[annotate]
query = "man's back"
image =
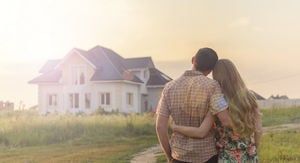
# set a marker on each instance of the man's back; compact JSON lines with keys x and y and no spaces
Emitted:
{"x":187,"y":100}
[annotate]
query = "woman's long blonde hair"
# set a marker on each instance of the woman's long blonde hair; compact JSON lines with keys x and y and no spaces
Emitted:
{"x":242,"y":103}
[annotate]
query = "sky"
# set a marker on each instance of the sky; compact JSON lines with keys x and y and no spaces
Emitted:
{"x":260,"y":36}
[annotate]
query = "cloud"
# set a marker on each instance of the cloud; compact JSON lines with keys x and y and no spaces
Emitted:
{"x":240,"y":22}
{"x":245,"y":22}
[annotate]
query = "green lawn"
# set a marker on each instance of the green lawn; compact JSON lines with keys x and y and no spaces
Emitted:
{"x":273,"y":117}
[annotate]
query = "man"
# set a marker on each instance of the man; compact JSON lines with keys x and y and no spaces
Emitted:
{"x":187,"y":100}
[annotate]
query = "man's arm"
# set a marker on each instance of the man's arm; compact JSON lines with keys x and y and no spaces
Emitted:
{"x":162,"y":134}
{"x":219,"y":106}
{"x":163,"y":114}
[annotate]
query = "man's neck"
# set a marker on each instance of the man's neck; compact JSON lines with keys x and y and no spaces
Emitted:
{"x":204,"y":73}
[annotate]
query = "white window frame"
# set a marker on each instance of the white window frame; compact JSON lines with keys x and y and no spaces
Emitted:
{"x":86,"y":105}
{"x":72,"y":100}
{"x":130,"y":99}
{"x":103,"y":98}
{"x":52,"y":100}
{"x":76,"y":71}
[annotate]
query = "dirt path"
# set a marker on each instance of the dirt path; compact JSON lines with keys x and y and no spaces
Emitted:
{"x":150,"y":154}
{"x":147,"y":156}
{"x":291,"y":126}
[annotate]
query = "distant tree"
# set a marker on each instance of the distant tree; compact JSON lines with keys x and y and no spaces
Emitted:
{"x":278,"y":97}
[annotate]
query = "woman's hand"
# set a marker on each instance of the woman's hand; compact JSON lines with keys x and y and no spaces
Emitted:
{"x":173,"y":125}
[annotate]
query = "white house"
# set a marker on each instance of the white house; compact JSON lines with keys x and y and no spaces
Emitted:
{"x":84,"y":81}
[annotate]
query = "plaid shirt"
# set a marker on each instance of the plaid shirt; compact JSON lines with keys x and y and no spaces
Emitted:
{"x":187,"y":100}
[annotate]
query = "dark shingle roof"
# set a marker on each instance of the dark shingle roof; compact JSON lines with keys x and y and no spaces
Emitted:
{"x":133,"y":63}
{"x":157,"y":78}
{"x":49,"y":66}
{"x":48,"y":77}
{"x":108,"y":66}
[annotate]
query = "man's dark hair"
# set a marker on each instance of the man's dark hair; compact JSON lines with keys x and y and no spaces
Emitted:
{"x":206,"y":59}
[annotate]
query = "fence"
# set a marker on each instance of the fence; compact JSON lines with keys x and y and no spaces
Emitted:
{"x":270,"y":104}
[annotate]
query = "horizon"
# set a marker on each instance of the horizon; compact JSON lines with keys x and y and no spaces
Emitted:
{"x":262,"y":43}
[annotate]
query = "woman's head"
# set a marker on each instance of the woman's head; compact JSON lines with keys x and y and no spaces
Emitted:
{"x":242,"y":103}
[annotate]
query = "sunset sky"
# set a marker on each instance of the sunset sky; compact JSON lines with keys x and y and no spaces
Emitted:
{"x":262,"y":37}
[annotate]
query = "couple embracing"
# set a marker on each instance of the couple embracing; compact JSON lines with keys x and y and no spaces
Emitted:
{"x":213,"y":120}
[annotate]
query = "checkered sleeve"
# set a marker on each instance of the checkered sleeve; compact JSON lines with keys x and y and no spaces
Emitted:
{"x":217,"y":100}
{"x":163,"y":106}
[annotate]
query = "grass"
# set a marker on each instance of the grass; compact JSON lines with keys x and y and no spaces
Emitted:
{"x":273,"y":117}
{"x":280,"y":147}
{"x":28,"y":137}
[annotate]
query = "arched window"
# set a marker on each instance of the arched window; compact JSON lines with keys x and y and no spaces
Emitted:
{"x":82,"y":78}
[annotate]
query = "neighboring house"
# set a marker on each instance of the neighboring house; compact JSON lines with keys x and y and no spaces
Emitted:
{"x":258,"y":96}
{"x":6,"y":105}
{"x":277,"y":97}
{"x":84,"y":81}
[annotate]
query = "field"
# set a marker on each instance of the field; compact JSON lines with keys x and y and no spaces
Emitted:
{"x":28,"y":137}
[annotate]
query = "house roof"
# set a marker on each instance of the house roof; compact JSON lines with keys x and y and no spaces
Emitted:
{"x":258,"y":97}
{"x":136,"y":63}
{"x":157,"y":78}
{"x":49,"y":65}
{"x":52,"y":76}
{"x":108,"y":66}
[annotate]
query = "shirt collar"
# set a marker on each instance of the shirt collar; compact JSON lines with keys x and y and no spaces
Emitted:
{"x":192,"y":73}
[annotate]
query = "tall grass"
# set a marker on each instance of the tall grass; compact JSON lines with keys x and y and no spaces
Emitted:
{"x":20,"y":129}
{"x":277,"y":116}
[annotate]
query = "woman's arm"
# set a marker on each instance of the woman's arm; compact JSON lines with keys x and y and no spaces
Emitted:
{"x":196,"y":132}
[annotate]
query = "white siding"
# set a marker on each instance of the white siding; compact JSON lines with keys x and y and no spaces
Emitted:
{"x":118,"y":91}
{"x":153,"y":97}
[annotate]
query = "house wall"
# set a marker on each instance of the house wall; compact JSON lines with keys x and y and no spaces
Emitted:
{"x":136,"y":91}
{"x":153,"y":97}
{"x":144,"y":75}
{"x":118,"y":91}
{"x":118,"y":96}
{"x":43,"y":91}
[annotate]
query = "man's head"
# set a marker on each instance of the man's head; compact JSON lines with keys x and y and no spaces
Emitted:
{"x":205,"y":60}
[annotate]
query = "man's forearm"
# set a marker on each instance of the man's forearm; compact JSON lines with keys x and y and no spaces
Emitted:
{"x":162,"y":135}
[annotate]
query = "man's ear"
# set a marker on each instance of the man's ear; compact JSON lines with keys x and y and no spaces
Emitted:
{"x":193,"y":60}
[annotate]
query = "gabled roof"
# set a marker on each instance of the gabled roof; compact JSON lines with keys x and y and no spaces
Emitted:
{"x":136,"y":63}
{"x":157,"y":78}
{"x":49,"y":65}
{"x":47,"y":77}
{"x":108,"y":65}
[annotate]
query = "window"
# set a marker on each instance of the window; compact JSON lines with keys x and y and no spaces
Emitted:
{"x":74,"y":100}
{"x":129,"y":98}
{"x":52,"y":100}
{"x":87,"y":100}
{"x":78,"y":75}
{"x":145,"y":74}
{"x":104,"y":98}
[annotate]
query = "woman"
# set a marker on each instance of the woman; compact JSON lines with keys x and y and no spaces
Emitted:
{"x":238,"y":142}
